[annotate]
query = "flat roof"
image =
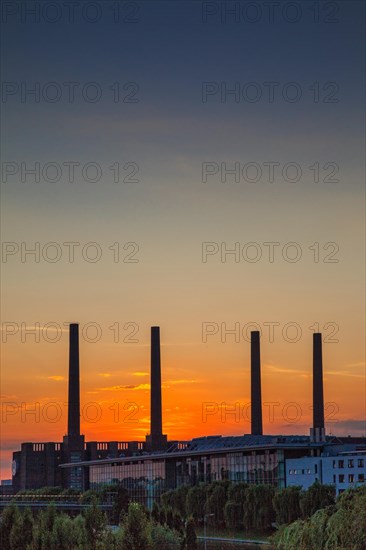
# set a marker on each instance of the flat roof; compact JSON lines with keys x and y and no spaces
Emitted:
{"x":187,"y":453}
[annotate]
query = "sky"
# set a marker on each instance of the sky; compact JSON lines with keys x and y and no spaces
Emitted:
{"x":189,"y":167}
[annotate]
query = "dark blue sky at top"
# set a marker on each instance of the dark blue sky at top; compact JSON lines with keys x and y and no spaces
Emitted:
{"x":170,"y":51}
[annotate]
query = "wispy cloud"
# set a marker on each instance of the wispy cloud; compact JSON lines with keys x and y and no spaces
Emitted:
{"x":137,"y":387}
{"x":56,"y":378}
{"x":140,"y":374}
{"x":126,"y":387}
{"x":344,"y":373}
{"x":104,"y":374}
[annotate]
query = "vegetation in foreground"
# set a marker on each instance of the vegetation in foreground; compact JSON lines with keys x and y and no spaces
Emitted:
{"x":341,"y":526}
{"x":246,"y":510}
{"x":50,"y":530}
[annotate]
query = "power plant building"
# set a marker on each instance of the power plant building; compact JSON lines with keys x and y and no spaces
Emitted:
{"x":148,"y":468}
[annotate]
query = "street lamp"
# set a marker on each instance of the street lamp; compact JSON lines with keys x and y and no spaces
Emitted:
{"x":204,"y":527}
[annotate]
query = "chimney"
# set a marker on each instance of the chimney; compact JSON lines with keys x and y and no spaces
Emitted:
{"x":73,"y":442}
{"x":73,"y":428}
{"x":256,"y":393}
{"x":318,"y":430}
{"x":156,"y":440}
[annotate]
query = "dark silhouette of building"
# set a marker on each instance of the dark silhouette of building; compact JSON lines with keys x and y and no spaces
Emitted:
{"x":149,"y":467}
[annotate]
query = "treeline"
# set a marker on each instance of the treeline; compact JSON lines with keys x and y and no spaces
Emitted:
{"x":243,"y":507}
{"x":337,"y":527}
{"x":51,"y":530}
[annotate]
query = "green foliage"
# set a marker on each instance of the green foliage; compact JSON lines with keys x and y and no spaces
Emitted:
{"x":195,"y":501}
{"x":215,"y":502}
{"x":155,"y":512}
{"x":10,"y":518}
{"x":120,"y":504}
{"x":233,"y":515}
{"x":336,"y":527}
{"x":27,"y":527}
{"x":316,"y":497}
{"x":286,"y":503}
{"x":258,"y":508}
{"x":234,"y":509}
{"x":62,"y":537}
{"x":95,"y":523}
{"x":52,"y":530}
{"x":190,"y":536}
{"x":163,"y":538}
{"x":135,"y":529}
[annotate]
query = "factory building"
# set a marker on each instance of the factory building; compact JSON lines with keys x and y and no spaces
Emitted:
{"x":148,"y":468}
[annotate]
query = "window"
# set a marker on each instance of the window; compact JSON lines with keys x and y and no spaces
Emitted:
{"x":303,"y":472}
{"x":360,"y":463}
{"x":340,"y":463}
{"x":309,"y":471}
{"x":334,"y":478}
{"x":291,"y":472}
{"x":334,"y":464}
{"x":350,"y":464}
{"x":341,"y":478}
{"x":351,"y":478}
{"x":316,"y":468}
{"x":361,"y":477}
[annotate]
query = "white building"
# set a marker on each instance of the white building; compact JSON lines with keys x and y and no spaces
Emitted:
{"x":344,"y":470}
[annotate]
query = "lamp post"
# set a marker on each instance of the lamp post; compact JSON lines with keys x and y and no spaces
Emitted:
{"x":204,"y":528}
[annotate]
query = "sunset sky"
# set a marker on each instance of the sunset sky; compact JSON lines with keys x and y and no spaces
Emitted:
{"x":167,"y":276}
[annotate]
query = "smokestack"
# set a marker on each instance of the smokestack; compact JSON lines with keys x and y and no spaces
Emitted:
{"x":156,"y":408}
{"x":74,"y":383}
{"x":318,"y":398}
{"x":156,"y":441}
{"x":256,"y":393}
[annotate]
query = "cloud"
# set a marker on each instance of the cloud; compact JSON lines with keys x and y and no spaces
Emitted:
{"x":282,"y":370}
{"x":182,"y":381}
{"x":349,"y":425}
{"x":140,"y":374}
{"x":56,"y":378}
{"x":137,"y":387}
{"x":127,"y":387}
{"x":344,"y":373}
{"x":104,"y":374}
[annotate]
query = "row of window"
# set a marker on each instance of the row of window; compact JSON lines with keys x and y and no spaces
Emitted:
{"x":301,"y":471}
{"x":351,"y":463}
{"x":351,"y":478}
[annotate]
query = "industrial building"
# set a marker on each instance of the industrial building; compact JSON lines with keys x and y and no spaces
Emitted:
{"x":148,"y":468}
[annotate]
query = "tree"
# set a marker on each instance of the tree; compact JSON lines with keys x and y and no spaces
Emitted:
{"x":155,"y":512}
{"x":316,"y":497}
{"x":63,"y":535}
{"x":233,"y":515}
{"x":286,"y":503}
{"x":163,"y":538}
{"x":234,"y":507}
{"x":95,"y":523}
{"x":135,"y":529}
{"x":336,"y":527}
{"x":120,"y":504}
{"x":215,"y":502}
{"x":27,"y":527}
{"x":258,"y":508}
{"x":195,"y":502}
{"x":177,"y":522}
{"x":190,"y":536}
{"x":9,"y":518}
